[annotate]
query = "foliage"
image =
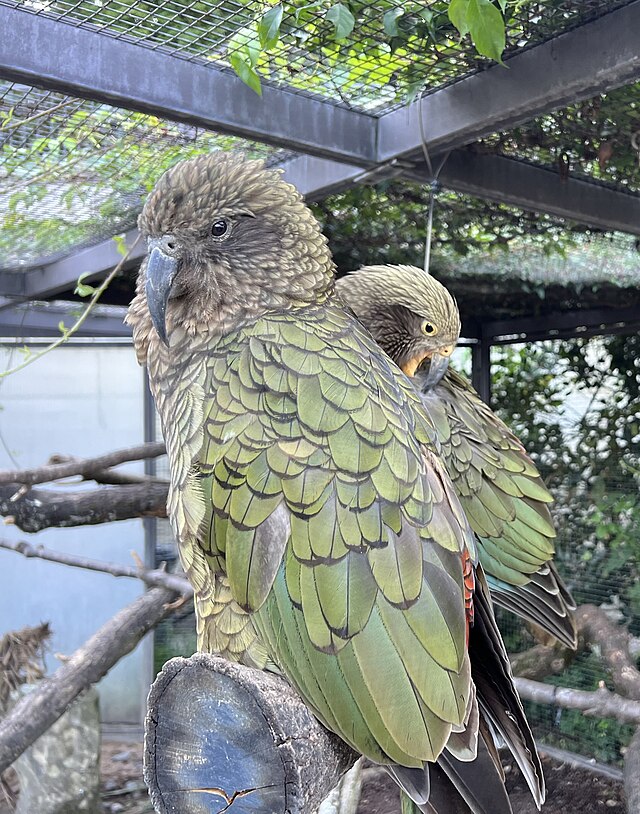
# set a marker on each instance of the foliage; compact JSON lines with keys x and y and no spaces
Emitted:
{"x":340,"y":43}
{"x":386,"y":223}
{"x":576,"y":407}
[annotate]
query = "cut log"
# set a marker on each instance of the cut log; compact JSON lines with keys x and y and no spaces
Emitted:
{"x":220,"y":737}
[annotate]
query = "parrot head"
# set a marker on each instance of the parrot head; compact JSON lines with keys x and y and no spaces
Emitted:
{"x":409,"y":313}
{"x":228,"y":240}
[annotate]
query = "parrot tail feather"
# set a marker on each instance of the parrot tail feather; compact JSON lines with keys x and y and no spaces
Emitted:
{"x":455,"y":786}
{"x":500,"y":705}
{"x":545,"y":601}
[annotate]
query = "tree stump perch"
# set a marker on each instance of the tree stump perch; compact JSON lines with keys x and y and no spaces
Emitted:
{"x":221,"y":737}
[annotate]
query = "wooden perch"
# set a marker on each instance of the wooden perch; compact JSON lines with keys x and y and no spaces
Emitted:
{"x":33,"y":510}
{"x":157,"y":577}
{"x":220,"y":737}
{"x":35,"y":713}
{"x":82,"y":466}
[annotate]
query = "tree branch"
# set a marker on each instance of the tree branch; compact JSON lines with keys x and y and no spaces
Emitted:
{"x":613,"y":641}
{"x":158,"y":578}
{"x":35,"y":713}
{"x":82,"y":466}
{"x":32,"y":510}
{"x":601,"y":703}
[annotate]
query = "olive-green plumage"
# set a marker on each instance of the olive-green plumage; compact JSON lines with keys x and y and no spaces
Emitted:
{"x":307,"y":493}
{"x":303,"y":470}
{"x":500,"y":489}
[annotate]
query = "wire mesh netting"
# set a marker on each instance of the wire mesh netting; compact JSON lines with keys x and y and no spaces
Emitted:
{"x":394,"y":50}
{"x":74,"y":172}
{"x":576,"y":406}
{"x":596,"y":139}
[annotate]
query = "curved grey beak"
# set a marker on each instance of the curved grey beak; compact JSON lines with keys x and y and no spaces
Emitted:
{"x":161,"y":272}
{"x":437,"y":368}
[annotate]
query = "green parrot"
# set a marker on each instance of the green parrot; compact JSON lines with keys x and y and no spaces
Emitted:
{"x":416,"y":321}
{"x":308,"y":495}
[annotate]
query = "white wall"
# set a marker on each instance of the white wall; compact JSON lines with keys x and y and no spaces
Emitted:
{"x":77,"y":400}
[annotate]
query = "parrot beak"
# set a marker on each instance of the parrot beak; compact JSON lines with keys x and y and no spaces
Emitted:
{"x":437,"y":367}
{"x":161,"y":272}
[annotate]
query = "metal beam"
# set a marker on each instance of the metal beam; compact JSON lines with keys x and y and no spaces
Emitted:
{"x":44,"y":320}
{"x":539,"y":189}
{"x":61,"y":275}
{"x":593,"y":58}
{"x":69,"y":59}
{"x":563,"y":325}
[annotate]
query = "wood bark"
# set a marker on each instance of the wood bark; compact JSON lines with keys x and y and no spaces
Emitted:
{"x":35,"y":713}
{"x":223,"y":737}
{"x":82,"y":466}
{"x":33,"y":510}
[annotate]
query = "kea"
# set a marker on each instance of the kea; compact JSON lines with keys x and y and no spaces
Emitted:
{"x":416,"y":321}
{"x":308,"y":495}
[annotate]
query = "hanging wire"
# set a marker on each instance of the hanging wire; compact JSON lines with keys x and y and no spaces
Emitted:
{"x":434,"y":187}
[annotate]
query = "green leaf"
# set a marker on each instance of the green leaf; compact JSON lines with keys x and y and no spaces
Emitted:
{"x":342,"y":19}
{"x":390,"y":21}
{"x":121,"y":246}
{"x":486,"y":26}
{"x":459,"y":14}
{"x":246,"y":72}
{"x":83,"y":289}
{"x":503,"y":5}
{"x":269,"y":27}
{"x":62,"y":327}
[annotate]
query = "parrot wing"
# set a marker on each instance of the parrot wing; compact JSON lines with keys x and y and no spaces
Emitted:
{"x":506,"y":503}
{"x":338,"y":530}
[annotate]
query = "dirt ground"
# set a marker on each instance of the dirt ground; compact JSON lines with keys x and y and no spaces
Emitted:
{"x":569,"y":790}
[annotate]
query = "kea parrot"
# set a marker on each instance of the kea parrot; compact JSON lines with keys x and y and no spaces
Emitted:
{"x":416,"y":321}
{"x":308,"y":494}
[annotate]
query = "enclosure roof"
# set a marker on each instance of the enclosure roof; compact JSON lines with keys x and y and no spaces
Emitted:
{"x":97,"y":99}
{"x":388,"y":56}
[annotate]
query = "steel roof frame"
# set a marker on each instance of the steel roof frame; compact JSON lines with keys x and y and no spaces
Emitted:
{"x":341,"y":147}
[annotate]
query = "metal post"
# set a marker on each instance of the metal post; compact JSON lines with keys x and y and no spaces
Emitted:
{"x":481,"y":368}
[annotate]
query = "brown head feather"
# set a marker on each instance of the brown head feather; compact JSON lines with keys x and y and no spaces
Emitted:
{"x":272,"y":257}
{"x":395,"y":304}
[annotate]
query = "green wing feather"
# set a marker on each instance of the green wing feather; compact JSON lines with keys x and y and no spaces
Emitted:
{"x":337,"y":529}
{"x":506,"y":503}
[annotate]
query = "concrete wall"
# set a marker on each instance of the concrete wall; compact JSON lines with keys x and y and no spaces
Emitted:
{"x":78,"y":400}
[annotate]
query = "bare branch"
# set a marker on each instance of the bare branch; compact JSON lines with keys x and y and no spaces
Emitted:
{"x":601,"y":703}
{"x":32,"y":510}
{"x":82,"y":466}
{"x":107,"y":475}
{"x":157,"y":578}
{"x":35,"y":713}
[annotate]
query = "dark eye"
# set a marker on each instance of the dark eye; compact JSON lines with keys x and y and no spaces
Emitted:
{"x":429,"y":328}
{"x":219,"y":228}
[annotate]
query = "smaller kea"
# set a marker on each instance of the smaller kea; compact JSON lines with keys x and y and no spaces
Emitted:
{"x":416,"y":321}
{"x":311,"y":505}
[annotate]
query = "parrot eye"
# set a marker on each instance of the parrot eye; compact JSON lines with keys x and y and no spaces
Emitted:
{"x":219,"y":229}
{"x":428,"y":328}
